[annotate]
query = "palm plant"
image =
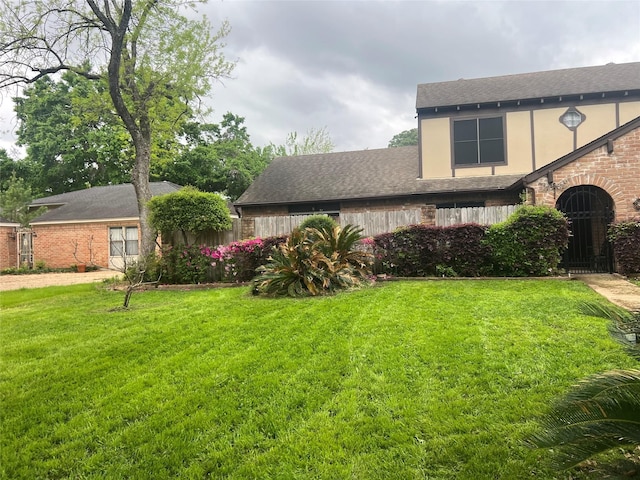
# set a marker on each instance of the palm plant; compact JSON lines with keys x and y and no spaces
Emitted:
{"x":314,"y":262}
{"x":603,"y":411}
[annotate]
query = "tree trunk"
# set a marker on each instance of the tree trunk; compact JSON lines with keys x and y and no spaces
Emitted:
{"x":140,"y":180}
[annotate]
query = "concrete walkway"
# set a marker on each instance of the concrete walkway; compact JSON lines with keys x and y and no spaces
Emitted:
{"x":16,"y":282}
{"x":614,"y":288}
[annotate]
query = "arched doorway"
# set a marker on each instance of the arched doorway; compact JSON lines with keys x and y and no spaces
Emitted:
{"x":590,"y":211}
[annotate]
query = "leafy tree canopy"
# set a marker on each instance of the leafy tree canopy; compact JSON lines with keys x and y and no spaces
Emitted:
{"x":315,"y":141}
{"x":405,"y":139}
{"x":216,"y":158}
{"x":73,"y":139}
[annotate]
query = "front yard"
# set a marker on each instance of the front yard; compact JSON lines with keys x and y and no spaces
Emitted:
{"x":424,"y":379}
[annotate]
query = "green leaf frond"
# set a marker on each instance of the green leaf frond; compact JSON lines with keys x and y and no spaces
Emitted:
{"x":602,"y":412}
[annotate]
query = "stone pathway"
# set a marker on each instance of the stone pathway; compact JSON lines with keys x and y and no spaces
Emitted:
{"x":614,"y":288}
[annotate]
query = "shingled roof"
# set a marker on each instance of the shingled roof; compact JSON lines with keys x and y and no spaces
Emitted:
{"x":96,"y":203}
{"x":527,"y":86}
{"x":364,"y":174}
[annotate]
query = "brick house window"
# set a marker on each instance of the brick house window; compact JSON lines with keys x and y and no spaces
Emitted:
{"x":123,"y":241}
{"x":478,"y":141}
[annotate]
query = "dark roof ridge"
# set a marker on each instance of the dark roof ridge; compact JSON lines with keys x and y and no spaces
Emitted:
{"x":596,"y":79}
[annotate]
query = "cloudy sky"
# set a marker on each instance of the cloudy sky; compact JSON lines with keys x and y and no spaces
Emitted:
{"x":353,"y":66}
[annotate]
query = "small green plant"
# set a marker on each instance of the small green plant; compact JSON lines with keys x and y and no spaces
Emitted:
{"x":41,"y":265}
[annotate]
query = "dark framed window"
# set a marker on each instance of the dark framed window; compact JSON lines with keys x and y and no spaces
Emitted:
{"x":478,"y":141}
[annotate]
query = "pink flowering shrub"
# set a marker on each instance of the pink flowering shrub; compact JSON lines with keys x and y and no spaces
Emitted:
{"x":235,"y":262}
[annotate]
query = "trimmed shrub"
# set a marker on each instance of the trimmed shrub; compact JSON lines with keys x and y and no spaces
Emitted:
{"x":625,"y":237}
{"x":529,"y":243}
{"x":319,"y":222}
{"x":426,"y":250}
{"x":189,"y":210}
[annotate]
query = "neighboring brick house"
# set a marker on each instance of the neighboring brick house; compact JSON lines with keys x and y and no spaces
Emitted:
{"x":486,"y":142}
{"x":96,"y":226}
{"x":8,"y":244}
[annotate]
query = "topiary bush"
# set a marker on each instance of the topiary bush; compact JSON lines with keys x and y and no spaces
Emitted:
{"x":189,"y":210}
{"x":625,"y":237}
{"x":529,"y":243}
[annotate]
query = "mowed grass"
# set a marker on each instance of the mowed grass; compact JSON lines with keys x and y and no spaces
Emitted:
{"x":406,"y":380}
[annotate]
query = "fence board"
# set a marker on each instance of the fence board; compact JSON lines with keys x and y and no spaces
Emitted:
{"x":481,"y":215}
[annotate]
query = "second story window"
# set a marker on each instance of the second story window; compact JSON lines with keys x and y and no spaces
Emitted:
{"x":478,"y":141}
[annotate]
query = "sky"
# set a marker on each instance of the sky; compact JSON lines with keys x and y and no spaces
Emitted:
{"x":352,"y":67}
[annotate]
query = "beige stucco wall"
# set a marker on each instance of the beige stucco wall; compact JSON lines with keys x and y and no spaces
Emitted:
{"x":628,"y":111}
{"x":551,"y":139}
{"x":436,"y":147}
{"x":600,"y":119}
{"x":519,"y":154}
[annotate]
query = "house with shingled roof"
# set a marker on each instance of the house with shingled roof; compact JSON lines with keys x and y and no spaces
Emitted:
{"x":566,"y":138}
{"x":95,"y":226}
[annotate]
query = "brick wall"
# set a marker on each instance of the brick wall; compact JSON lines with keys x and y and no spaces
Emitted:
{"x":56,"y":244}
{"x":8,"y":247}
{"x":617,"y":173}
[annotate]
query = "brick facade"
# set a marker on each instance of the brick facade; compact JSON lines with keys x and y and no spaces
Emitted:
{"x":615,"y":168}
{"x":63,"y":245}
{"x":8,"y":247}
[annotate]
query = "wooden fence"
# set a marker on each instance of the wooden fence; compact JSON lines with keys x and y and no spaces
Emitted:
{"x":482,"y":215}
{"x":372,"y":223}
{"x":212,"y":238}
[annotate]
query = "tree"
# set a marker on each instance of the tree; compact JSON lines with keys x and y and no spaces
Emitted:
{"x":217,"y":158}
{"x":405,"y":139}
{"x":15,"y":200}
{"x":21,"y":169}
{"x":155,"y":58}
{"x":73,"y":140}
{"x":315,"y":141}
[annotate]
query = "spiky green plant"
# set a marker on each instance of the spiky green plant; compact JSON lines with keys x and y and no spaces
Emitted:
{"x":314,"y":262}
{"x":603,"y":411}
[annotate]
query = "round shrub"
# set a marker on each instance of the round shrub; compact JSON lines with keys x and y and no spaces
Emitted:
{"x":319,"y":222}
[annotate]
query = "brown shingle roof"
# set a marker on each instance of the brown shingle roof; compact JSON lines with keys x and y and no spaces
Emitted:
{"x":96,"y":203}
{"x":380,"y":173}
{"x":571,"y":81}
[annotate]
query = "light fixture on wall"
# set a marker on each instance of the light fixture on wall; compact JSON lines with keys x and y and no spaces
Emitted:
{"x":572,"y":118}
{"x":636,"y":203}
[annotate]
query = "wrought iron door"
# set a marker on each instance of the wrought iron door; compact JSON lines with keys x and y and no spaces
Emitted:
{"x":590,"y":212}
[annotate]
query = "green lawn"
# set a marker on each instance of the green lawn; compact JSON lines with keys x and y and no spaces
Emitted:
{"x":405,"y":380}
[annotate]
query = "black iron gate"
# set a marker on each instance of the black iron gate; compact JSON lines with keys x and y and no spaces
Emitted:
{"x":590,"y":212}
